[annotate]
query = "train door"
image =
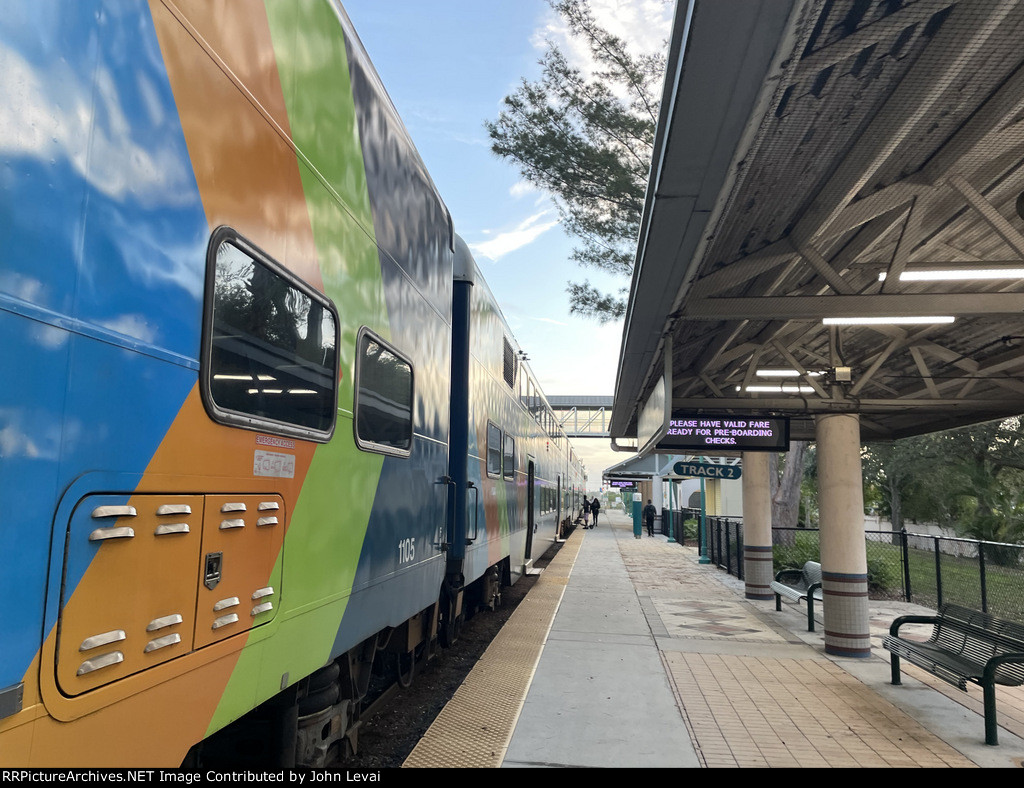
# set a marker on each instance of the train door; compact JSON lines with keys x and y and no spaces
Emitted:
{"x":530,"y":500}
{"x":558,"y":506}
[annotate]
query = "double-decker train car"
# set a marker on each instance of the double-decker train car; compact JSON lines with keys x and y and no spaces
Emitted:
{"x":264,"y":432}
{"x":522,"y":475}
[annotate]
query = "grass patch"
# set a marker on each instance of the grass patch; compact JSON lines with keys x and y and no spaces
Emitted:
{"x":1003,"y":593}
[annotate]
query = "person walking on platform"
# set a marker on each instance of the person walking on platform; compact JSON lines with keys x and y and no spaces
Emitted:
{"x":586,"y":512}
{"x":649,"y":514}
{"x":595,"y":507}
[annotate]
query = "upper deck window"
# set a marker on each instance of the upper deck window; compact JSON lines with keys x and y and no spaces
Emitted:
{"x":269,"y":347}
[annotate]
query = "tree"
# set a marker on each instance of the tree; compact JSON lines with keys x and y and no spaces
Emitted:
{"x":899,"y":469}
{"x":587,"y":141}
{"x":968,"y":478}
{"x":785,"y":489}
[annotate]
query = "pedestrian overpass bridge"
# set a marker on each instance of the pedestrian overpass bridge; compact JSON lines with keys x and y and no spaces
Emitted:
{"x":583,"y":416}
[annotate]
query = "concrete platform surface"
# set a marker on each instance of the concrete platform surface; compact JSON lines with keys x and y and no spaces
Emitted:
{"x":630,"y":653}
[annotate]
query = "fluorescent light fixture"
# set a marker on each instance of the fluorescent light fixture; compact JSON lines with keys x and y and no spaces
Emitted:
{"x":781,"y":388}
{"x":886,"y":321}
{"x":957,"y":274}
{"x":784,"y":373}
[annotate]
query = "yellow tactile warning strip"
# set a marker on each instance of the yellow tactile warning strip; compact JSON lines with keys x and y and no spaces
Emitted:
{"x":474,"y":728}
{"x":757,"y":711}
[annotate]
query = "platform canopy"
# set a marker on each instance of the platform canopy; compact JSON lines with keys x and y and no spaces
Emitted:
{"x":811,"y":157}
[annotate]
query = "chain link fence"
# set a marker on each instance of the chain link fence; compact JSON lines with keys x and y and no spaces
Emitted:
{"x":924,"y":569}
{"x":681,"y":525}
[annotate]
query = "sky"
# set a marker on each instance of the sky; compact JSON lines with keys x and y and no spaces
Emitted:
{"x":447,"y":65}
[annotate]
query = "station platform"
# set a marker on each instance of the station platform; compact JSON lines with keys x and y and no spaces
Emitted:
{"x":630,"y":653}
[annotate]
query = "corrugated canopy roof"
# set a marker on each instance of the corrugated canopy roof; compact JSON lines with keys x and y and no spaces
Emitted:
{"x":804,"y":148}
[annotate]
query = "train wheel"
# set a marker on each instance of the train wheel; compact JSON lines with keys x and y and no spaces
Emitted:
{"x":491,"y":594}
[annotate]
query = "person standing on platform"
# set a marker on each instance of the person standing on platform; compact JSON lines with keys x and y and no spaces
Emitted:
{"x":586,"y":512}
{"x":595,"y":508}
{"x":649,"y":513}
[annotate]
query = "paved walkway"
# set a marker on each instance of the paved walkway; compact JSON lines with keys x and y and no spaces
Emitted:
{"x":634,"y":654}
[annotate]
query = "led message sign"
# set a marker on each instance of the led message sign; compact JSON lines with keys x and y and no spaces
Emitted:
{"x":710,"y":433}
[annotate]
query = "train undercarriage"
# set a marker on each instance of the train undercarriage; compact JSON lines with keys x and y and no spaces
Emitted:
{"x":315,"y":723}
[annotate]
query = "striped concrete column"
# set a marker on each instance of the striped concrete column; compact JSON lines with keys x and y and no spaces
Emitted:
{"x":757,"y":526}
{"x":843,"y":552}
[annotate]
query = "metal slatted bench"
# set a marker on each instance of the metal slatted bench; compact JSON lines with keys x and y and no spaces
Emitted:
{"x":966,"y":646}
{"x":798,"y":585}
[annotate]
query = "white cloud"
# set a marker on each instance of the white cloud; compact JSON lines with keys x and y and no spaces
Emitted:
{"x":645,"y":25}
{"x":526,"y":232}
{"x":522,"y":189}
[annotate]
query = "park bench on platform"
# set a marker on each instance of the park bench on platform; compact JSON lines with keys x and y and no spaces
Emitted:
{"x":966,"y":645}
{"x":799,"y":584}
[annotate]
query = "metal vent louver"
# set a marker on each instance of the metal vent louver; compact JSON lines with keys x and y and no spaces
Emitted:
{"x":510,"y":365}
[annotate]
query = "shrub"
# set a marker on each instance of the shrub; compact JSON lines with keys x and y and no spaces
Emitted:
{"x":794,"y":556}
{"x":884,"y":574}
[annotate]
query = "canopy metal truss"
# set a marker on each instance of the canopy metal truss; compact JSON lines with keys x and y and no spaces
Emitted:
{"x":804,"y":148}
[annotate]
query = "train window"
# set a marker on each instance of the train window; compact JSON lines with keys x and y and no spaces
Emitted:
{"x":270,"y":341}
{"x":509,"y":459}
{"x":384,"y":397}
{"x":493,"y":450}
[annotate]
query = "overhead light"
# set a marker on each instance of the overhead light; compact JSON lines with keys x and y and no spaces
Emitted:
{"x":882,"y":321}
{"x":781,"y":388}
{"x":784,"y":373}
{"x":957,"y":274}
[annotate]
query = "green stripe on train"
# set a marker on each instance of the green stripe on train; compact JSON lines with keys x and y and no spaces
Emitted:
{"x":321,"y":551}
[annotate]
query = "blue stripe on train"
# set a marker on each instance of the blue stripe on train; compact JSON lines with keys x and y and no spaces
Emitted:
{"x":103,"y":244}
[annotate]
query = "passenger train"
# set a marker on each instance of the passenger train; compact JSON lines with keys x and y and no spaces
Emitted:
{"x":264,"y":431}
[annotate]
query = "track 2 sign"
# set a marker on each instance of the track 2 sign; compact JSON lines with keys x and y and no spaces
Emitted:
{"x":707,"y":470}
